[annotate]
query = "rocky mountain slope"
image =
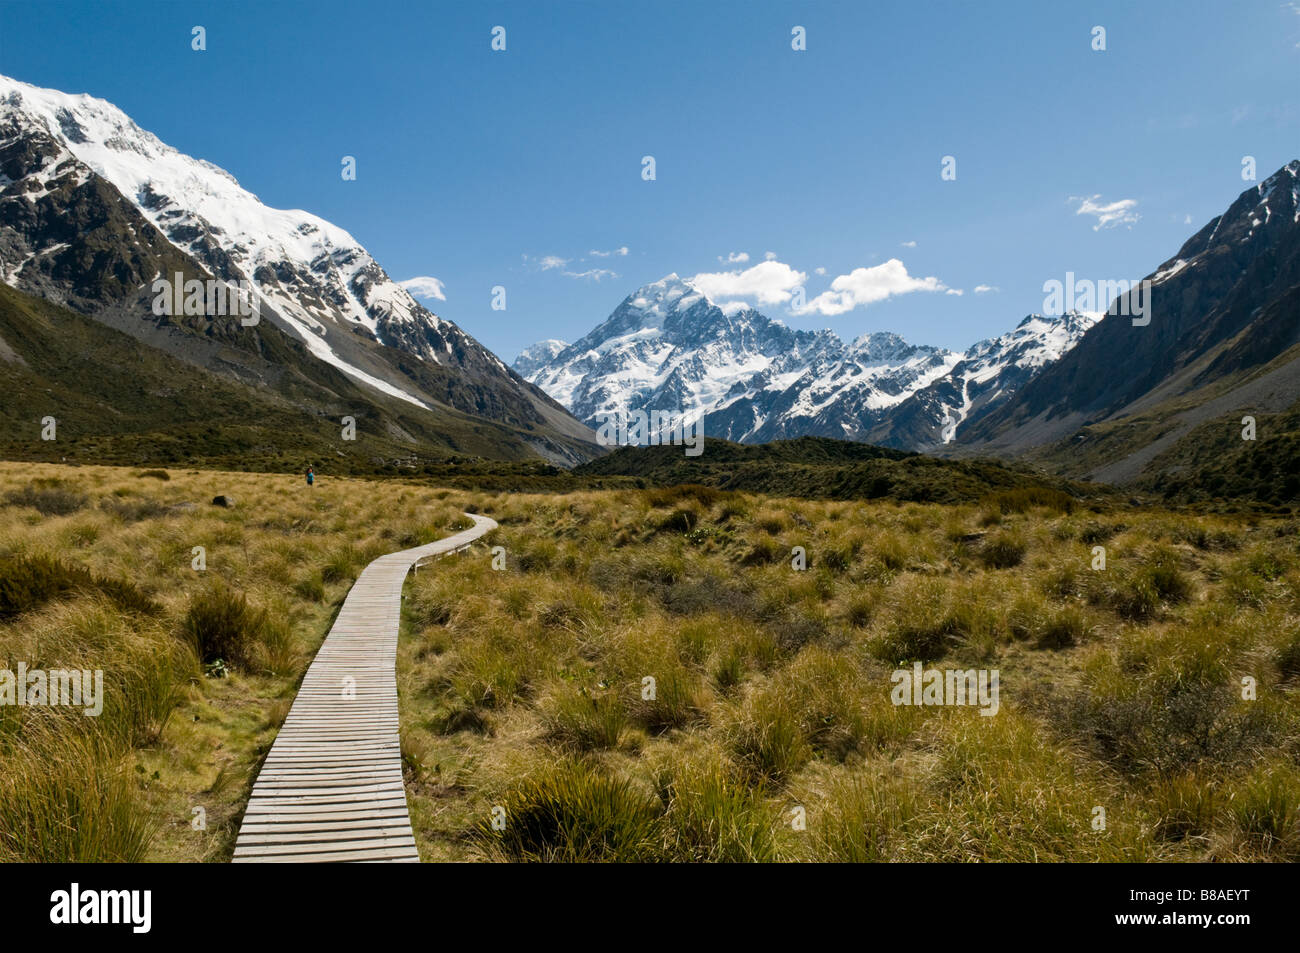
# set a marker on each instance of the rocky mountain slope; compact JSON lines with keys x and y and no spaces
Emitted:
{"x":1144,"y":403}
{"x":93,"y":209}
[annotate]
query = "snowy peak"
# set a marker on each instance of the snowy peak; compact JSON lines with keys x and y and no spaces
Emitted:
{"x":95,"y":208}
{"x":315,"y":274}
{"x":537,"y":355}
{"x":668,"y":347}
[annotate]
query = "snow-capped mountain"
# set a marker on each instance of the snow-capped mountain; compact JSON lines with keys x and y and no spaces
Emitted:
{"x":988,"y":374}
{"x":668,"y":347}
{"x":537,"y":355}
{"x":1216,"y":343}
{"x":312,"y":278}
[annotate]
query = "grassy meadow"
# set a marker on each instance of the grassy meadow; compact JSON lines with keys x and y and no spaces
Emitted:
{"x":200,"y":667}
{"x":770,"y":733}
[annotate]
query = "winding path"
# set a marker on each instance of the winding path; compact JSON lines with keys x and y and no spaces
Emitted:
{"x":331,"y":786}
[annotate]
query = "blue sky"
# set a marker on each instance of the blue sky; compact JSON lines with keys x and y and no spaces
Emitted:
{"x":480,"y":168}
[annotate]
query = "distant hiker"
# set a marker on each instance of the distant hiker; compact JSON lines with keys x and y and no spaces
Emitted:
{"x":311,"y":475}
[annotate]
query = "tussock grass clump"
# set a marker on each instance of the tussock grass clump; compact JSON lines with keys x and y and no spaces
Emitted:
{"x":1265,"y":809}
{"x":30,"y":581}
{"x":341,"y":566}
{"x":134,"y":511}
{"x":680,"y":700}
{"x":221,"y":625}
{"x":1024,"y":499}
{"x":1166,"y":704}
{"x":1003,"y":550}
{"x":681,"y":520}
{"x":65,"y":797}
{"x":50,"y":497}
{"x":574,"y":813}
{"x":705,"y":496}
{"x":711,"y":814}
{"x":1185,"y":805}
{"x":764,"y":552}
{"x":921,"y":623}
{"x":864,"y":820}
{"x":584,"y":720}
{"x":310,"y":588}
{"x":767,"y":736}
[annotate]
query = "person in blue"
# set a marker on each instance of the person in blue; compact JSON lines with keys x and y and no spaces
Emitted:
{"x":311,"y":475}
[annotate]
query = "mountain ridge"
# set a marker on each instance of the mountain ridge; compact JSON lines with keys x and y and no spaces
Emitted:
{"x":667,"y":345}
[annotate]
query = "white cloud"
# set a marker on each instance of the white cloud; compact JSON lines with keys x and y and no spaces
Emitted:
{"x":1187,"y":220}
{"x":549,"y":262}
{"x":735,"y":258}
{"x":424,"y":286}
{"x":768,"y":282}
{"x":984,"y":289}
{"x":954,"y":291}
{"x":769,"y":255}
{"x":1108,"y":215}
{"x":819,"y":271}
{"x":619,"y":252}
{"x":865,"y":286}
{"x":592,"y":274}
{"x":909,"y":244}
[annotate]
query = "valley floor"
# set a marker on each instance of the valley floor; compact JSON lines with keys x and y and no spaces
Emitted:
{"x":680,"y":674}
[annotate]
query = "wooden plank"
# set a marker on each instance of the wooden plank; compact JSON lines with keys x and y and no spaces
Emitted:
{"x":330,"y":789}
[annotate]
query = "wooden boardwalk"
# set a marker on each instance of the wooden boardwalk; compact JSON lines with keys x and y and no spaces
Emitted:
{"x":331,"y":786}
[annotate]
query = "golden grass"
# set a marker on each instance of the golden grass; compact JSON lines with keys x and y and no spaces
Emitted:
{"x":526,"y":688}
{"x":126,"y":785}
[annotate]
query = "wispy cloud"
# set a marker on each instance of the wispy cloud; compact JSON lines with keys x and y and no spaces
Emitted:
{"x":865,"y":286}
{"x":425,"y":286}
{"x":592,"y":274}
{"x":1108,"y":214}
{"x":986,"y":289}
{"x":909,"y":244}
{"x":735,"y":258}
{"x":616,"y":252}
